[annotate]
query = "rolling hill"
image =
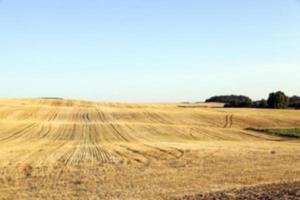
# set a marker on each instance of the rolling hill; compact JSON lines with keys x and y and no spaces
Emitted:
{"x":84,"y":149}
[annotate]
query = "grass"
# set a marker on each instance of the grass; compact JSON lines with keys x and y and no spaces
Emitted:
{"x":290,"y":132}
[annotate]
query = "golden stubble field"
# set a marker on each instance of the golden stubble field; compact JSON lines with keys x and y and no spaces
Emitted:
{"x":70,"y":149}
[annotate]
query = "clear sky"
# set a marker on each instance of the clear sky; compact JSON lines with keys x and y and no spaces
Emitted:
{"x":154,"y":50}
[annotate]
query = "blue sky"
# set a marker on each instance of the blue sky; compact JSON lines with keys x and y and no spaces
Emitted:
{"x":158,"y":50}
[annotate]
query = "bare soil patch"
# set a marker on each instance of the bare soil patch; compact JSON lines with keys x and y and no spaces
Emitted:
{"x":277,"y":191}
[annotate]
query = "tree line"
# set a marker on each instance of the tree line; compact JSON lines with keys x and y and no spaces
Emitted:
{"x":276,"y":100}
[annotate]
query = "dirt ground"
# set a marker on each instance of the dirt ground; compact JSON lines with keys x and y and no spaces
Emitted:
{"x":280,"y":191}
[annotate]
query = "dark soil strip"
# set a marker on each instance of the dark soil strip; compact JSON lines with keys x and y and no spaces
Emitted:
{"x":286,"y":191}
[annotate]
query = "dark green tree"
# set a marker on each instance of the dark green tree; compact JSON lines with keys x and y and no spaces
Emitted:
{"x":260,"y":104}
{"x":239,"y":102}
{"x":232,"y":100}
{"x":278,"y":100}
{"x":263,"y":103}
{"x":295,"y":102}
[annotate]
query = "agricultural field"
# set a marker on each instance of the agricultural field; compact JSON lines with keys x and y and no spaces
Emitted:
{"x":71,"y":149}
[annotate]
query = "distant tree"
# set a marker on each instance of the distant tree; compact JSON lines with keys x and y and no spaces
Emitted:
{"x":278,"y":100}
{"x":260,"y":104}
{"x":220,"y":99}
{"x":263,"y":103}
{"x":294,"y":102}
{"x":230,"y":99}
{"x":240,"y":102}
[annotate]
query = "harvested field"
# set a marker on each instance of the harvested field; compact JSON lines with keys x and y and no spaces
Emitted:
{"x":69,"y":149}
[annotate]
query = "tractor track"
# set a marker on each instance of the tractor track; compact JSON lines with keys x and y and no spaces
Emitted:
{"x":228,"y":121}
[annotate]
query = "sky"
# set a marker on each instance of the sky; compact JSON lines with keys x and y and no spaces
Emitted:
{"x":148,"y":51}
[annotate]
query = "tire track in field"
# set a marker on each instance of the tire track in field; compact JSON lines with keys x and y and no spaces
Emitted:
{"x":228,"y":121}
{"x":157,"y":118}
{"x":86,"y":147}
{"x":19,"y":134}
{"x":173,"y":152}
{"x":115,"y":130}
{"x":143,"y":157}
{"x":96,"y":151}
{"x":148,"y":154}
